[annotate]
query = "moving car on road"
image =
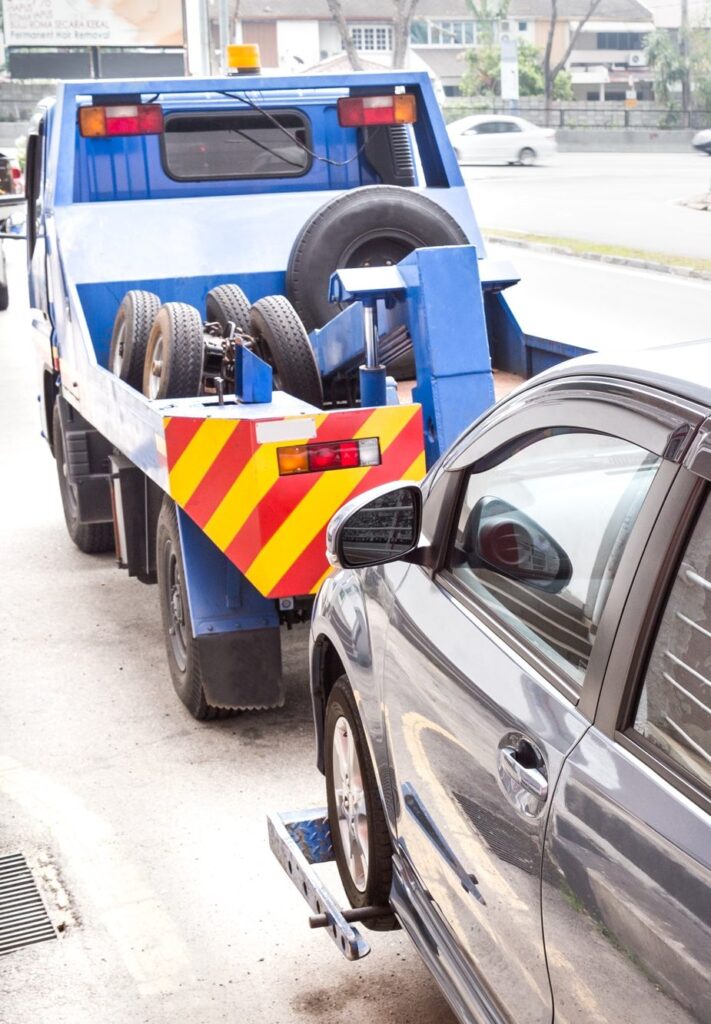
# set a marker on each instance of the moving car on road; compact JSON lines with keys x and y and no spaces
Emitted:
{"x":511,"y":678}
{"x":496,"y":139}
{"x":702,"y":141}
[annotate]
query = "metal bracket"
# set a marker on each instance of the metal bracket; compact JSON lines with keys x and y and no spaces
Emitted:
{"x":298,"y":840}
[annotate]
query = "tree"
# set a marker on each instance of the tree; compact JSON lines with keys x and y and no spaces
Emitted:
{"x":483,"y":74}
{"x":672,"y":61}
{"x":551,"y":70}
{"x":403,"y":13}
{"x":664,"y":59}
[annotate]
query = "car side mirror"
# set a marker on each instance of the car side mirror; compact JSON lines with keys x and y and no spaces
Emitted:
{"x":381,"y":526}
{"x":502,"y":538}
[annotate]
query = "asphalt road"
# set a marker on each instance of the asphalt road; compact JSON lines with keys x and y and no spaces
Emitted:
{"x":147,"y":828}
{"x":624,"y":199}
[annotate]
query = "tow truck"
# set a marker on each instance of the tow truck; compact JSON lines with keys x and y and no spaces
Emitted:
{"x":225,"y":273}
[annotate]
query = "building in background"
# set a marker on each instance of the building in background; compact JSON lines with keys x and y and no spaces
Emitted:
{"x":608,"y":61}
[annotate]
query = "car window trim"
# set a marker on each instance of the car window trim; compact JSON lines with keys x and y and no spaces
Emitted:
{"x":584,"y":697}
{"x":648,"y":597}
{"x":634,"y":412}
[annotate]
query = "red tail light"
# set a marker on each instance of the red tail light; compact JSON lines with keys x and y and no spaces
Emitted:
{"x":323,"y":455}
{"x":354,"y":111}
{"x":131,"y":119}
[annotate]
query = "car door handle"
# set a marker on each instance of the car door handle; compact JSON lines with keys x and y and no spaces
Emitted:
{"x":531,"y":779}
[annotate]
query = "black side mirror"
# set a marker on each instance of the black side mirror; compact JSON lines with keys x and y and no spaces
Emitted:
{"x":381,"y":526}
{"x":500,"y":537}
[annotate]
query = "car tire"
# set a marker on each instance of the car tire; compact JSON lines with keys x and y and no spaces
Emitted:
{"x":129,"y":338}
{"x":174,"y":353}
{"x":371,"y":226}
{"x":228,"y":304}
{"x":4,"y":297}
{"x":350,"y":779}
{"x":281,"y":340}
{"x":181,"y":646}
{"x":527,"y":157}
{"x":91,"y":538}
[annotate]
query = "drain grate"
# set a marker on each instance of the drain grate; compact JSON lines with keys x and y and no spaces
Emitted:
{"x":23,"y":915}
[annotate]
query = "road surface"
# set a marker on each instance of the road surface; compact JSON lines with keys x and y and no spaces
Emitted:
{"x":624,"y":199}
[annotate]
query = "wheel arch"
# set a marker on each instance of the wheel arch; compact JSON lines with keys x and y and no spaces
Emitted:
{"x":326,"y":667}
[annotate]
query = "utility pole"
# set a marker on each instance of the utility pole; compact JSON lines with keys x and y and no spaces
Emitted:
{"x":684,"y":52}
{"x":224,"y":33}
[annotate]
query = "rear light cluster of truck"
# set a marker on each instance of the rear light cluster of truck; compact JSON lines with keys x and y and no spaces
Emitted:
{"x":129,"y":119}
{"x":357,"y":111}
{"x":322,"y":455}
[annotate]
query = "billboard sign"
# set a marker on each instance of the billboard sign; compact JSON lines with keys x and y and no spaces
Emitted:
{"x":93,"y":22}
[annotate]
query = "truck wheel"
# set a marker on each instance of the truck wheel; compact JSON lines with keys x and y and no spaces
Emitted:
{"x":359,"y":831}
{"x":91,"y":538}
{"x":367,"y":227}
{"x":182,"y":649}
{"x":134,"y":319}
{"x":174,"y":353}
{"x":280,"y":339}
{"x":228,"y":303}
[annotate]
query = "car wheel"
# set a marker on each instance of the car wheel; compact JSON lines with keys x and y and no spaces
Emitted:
{"x":527,"y":157}
{"x":174,"y":353}
{"x":359,"y":831}
{"x":132,"y":326}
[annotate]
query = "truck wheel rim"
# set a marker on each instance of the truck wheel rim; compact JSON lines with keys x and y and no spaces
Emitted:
{"x":177,"y":630}
{"x":156,"y":374}
{"x":350,"y":803}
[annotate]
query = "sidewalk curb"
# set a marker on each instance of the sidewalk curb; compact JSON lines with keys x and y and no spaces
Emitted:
{"x":598,"y":257}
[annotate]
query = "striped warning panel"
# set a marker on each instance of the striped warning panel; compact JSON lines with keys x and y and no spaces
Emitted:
{"x":225,"y":475}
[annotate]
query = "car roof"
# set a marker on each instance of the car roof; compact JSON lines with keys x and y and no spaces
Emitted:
{"x":682,"y":369}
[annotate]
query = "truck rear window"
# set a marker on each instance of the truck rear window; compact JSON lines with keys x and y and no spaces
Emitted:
{"x":235,"y":144}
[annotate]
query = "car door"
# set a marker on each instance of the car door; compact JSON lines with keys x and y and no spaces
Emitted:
{"x":478,"y":142}
{"x":627,"y":878}
{"x":485,"y":669}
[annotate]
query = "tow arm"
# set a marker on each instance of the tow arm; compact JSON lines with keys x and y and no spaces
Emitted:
{"x":300,"y":839}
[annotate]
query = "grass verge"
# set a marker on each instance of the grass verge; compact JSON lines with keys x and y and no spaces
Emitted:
{"x":578,"y":247}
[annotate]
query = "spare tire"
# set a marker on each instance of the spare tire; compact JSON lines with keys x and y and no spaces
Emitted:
{"x":280,"y":340}
{"x":367,"y":227}
{"x":174,"y":353}
{"x":228,"y":304}
{"x":134,"y":319}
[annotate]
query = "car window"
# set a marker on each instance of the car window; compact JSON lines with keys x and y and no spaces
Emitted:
{"x":674,"y":708}
{"x":487,"y":128}
{"x":235,"y":144}
{"x":540,"y":535}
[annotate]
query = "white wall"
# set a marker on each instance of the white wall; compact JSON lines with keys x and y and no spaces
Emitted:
{"x":330,"y":39}
{"x":298,"y":39}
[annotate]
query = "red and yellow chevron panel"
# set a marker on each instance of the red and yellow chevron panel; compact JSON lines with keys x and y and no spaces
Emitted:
{"x":226,"y":477}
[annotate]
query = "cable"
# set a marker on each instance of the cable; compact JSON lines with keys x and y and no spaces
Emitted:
{"x":297,"y":142}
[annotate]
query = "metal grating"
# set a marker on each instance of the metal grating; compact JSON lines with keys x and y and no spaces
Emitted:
{"x":23,"y":916}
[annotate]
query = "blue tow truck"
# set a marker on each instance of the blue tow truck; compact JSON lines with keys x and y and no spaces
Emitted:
{"x":225,"y":276}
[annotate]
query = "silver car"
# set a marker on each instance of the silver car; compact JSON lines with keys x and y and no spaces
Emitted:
{"x":511,"y":679}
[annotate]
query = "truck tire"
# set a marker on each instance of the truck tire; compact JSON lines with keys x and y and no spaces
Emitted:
{"x":228,"y":303}
{"x":91,"y":538}
{"x":174,"y":353}
{"x":132,"y":326}
{"x":181,"y":646}
{"x":280,"y":339}
{"x":372,"y":226}
{"x":361,"y":842}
